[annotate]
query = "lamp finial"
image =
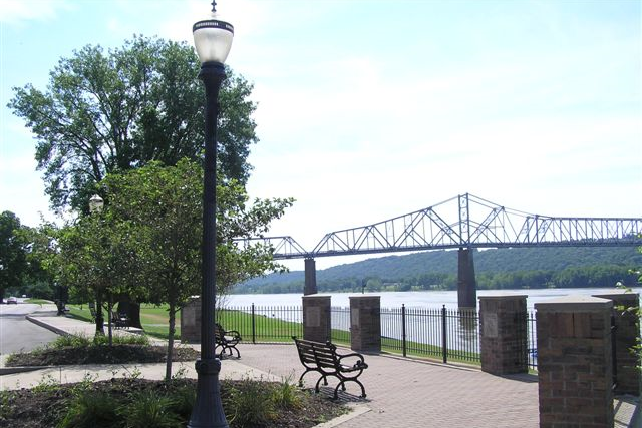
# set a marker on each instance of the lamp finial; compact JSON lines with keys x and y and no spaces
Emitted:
{"x":213,"y":5}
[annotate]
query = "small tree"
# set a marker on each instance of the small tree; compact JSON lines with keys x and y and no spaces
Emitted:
{"x":97,"y":257}
{"x":163,"y":207}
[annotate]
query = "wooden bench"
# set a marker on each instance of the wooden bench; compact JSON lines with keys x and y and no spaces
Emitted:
{"x":227,"y":340}
{"x":324,"y":359}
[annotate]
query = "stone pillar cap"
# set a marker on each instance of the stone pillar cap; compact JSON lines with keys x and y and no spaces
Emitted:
{"x":575,"y":303}
{"x":617,"y":293}
{"x":365,"y":296}
{"x":503,"y":296}
{"x":317,"y":296}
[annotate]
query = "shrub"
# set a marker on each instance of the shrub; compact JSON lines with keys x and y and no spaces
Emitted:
{"x":146,"y":409}
{"x":250,"y":404}
{"x":91,"y":410}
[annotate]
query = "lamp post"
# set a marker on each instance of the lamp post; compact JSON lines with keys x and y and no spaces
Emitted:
{"x":213,"y":40}
{"x":95,"y":208}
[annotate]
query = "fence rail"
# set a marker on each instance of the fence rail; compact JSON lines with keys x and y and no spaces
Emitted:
{"x":445,"y":334}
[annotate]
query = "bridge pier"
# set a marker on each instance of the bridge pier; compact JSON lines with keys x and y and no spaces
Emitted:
{"x":310,"y":277}
{"x":466,"y":287}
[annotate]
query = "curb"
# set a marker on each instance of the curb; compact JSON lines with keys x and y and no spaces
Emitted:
{"x":355,"y":411}
{"x":46,"y":325}
{"x":14,"y":370}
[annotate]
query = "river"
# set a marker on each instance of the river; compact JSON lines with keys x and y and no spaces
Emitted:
{"x":424,"y":299}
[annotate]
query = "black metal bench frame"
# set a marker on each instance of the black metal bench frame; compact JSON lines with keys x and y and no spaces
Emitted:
{"x":227,"y":340}
{"x":324,"y":359}
{"x":120,"y":320}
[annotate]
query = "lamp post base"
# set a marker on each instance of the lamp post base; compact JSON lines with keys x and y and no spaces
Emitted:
{"x":208,"y":410}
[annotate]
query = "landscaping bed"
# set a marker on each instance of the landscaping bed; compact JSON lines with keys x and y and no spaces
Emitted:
{"x":145,"y":403}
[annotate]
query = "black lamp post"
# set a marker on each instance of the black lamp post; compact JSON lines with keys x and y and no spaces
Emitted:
{"x":213,"y":40}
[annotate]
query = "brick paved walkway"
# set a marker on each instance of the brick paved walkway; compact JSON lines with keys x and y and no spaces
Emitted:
{"x":407,"y":393}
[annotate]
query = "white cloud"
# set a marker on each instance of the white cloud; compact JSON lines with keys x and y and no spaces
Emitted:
{"x":18,"y":11}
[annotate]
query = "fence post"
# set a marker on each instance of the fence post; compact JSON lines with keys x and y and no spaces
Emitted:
{"x":403,"y":329}
{"x":253,"y":325}
{"x":444,"y":342}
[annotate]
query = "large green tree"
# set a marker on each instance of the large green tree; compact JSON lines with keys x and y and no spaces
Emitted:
{"x":13,"y":262}
{"x":105,"y":112}
{"x":162,"y":206}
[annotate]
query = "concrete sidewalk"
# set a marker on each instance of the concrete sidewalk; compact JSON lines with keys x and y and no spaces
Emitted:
{"x":401,"y":392}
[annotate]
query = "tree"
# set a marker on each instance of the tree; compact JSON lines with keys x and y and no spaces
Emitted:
{"x":96,"y":257}
{"x":12,"y":253}
{"x":111,"y":112}
{"x":162,"y":206}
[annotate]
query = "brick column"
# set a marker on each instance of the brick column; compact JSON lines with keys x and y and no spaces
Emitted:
{"x":626,"y":335}
{"x":574,"y":362}
{"x":316,"y":318}
{"x":191,"y":321}
{"x":503,"y":333}
{"x":365,"y":323}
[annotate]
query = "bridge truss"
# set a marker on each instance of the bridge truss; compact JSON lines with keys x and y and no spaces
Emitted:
{"x":465,"y":221}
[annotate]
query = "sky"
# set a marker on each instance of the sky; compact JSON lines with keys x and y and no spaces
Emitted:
{"x":370,"y":109}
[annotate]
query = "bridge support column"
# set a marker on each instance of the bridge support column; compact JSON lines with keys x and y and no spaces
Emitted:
{"x":466,"y":287}
{"x":310,"y":277}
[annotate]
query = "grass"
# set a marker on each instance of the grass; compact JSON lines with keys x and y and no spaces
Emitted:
{"x":267,"y":328}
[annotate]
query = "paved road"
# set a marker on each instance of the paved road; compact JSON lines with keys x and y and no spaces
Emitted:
{"x":18,"y":334}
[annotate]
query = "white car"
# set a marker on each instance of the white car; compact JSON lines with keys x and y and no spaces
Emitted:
{"x":12,"y":301}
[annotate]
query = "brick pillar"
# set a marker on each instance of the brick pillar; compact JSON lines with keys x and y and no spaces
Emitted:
{"x":503,"y":334}
{"x":365,"y":323}
{"x":191,"y":321}
{"x":316,"y":318}
{"x":574,"y":362}
{"x":626,"y":335}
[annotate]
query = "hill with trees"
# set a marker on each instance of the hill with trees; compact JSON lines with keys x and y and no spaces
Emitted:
{"x":516,"y":268}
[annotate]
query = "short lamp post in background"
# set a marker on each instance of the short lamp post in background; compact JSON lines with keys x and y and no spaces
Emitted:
{"x":213,"y":40}
{"x":95,"y":208}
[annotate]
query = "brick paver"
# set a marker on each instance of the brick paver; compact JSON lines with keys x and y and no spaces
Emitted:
{"x":408,"y":393}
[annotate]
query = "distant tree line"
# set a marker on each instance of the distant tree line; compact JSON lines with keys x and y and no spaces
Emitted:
{"x":495,"y":270}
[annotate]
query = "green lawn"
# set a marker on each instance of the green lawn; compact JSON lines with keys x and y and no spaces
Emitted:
{"x":270,"y":329}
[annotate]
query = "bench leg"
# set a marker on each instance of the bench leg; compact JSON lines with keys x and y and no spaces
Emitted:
{"x":343,"y":387}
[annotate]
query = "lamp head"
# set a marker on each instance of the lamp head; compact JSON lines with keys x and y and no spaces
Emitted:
{"x":213,"y":38}
{"x":96,"y":204}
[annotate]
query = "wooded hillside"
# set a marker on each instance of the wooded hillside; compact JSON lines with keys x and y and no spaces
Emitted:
{"x":516,"y":268}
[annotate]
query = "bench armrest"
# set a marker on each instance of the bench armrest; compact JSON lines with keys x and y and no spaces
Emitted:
{"x":360,"y":361}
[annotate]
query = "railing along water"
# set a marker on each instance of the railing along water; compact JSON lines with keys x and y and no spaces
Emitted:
{"x":442,"y":333}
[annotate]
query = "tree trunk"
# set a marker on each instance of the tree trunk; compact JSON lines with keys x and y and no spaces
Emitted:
{"x":170,"y":345}
{"x":132,"y":309}
{"x":110,"y":307}
{"x":99,"y":316}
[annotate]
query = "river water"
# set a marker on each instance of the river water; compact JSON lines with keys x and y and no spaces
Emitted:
{"x":423,"y":299}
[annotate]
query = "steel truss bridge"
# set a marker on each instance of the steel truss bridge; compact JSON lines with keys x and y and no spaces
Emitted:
{"x":464,"y":222}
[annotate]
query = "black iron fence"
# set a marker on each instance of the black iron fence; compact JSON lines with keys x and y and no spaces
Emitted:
{"x":446,"y":334}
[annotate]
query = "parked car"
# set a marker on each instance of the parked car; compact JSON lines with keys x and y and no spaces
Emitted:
{"x":12,"y":301}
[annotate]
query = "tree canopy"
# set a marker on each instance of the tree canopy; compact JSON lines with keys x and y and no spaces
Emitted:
{"x":146,"y":243}
{"x":13,"y":262}
{"x":105,"y":112}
